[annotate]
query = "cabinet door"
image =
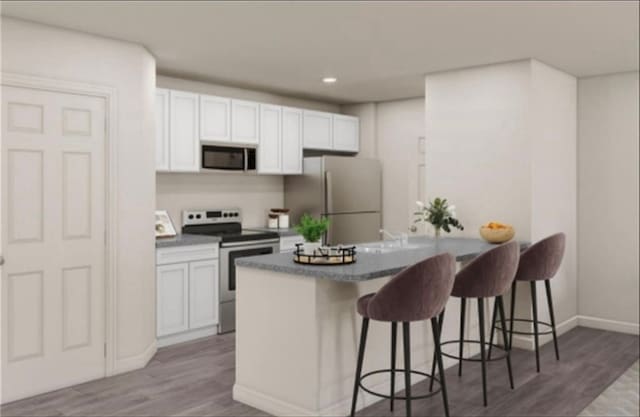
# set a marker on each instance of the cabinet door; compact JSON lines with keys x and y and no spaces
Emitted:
{"x":291,"y":141}
{"x":317,"y":130}
{"x":245,"y":121}
{"x":269,"y":154}
{"x":172,"y":299}
{"x":203,"y":294}
{"x":162,"y":129}
{"x":215,"y":118}
{"x":185,"y":144}
{"x":346,"y":133}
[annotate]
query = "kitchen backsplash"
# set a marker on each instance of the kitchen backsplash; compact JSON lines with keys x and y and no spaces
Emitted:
{"x":253,"y":194}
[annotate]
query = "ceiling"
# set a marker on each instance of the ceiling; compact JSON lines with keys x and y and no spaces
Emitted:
{"x":379,"y":50}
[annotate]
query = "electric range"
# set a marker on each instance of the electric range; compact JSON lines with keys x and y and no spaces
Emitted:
{"x":236,"y":243}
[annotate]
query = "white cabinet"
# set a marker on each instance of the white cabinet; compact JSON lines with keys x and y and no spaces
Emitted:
{"x":203,"y":294}
{"x":187,"y":298}
{"x":172,"y":299}
{"x":346,"y":133}
{"x":318,"y":130}
{"x":269,"y":149}
{"x":245,"y":122}
{"x":162,"y":129}
{"x":291,"y":141}
{"x":184,"y":142}
{"x":215,"y":118}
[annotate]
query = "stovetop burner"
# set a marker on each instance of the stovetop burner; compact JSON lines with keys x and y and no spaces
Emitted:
{"x":225,"y":224}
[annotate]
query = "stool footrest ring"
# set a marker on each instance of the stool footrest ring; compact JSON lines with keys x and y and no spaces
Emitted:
{"x":477,"y":342}
{"x":416,"y":397}
{"x":528,"y":333}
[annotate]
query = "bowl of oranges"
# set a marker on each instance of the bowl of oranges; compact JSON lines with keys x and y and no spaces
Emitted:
{"x":496,"y":232}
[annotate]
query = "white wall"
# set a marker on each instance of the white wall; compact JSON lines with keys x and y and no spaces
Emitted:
{"x":501,"y":146}
{"x":48,"y":52}
{"x":389,"y":131}
{"x":253,"y":194}
{"x":608,"y":197}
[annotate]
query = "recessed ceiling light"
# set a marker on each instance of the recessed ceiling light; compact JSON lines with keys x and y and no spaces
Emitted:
{"x":329,"y":80}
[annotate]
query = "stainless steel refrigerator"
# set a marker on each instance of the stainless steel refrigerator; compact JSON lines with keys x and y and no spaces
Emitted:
{"x":347,"y":190}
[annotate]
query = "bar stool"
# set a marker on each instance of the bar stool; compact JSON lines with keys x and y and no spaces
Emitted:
{"x":417,"y":293}
{"x":539,"y":262}
{"x":488,"y":275}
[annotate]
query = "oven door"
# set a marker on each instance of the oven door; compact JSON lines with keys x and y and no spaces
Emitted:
{"x":228,"y":256}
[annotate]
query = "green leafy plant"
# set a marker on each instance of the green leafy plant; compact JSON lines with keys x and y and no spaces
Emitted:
{"x":439,"y":214}
{"x":312,"y":229}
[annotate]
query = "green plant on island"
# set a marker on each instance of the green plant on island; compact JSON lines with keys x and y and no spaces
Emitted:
{"x":311,"y":228}
{"x":439,"y":214}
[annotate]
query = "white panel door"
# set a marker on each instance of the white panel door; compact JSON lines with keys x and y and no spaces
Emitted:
{"x":53,"y":234}
{"x":317,"y":130}
{"x":215,"y":118}
{"x":291,"y":141}
{"x":245,"y":122}
{"x":269,"y":153}
{"x":203,"y":294}
{"x":162,"y":129}
{"x":172,"y":287}
{"x":346,"y":133}
{"x":185,"y":144}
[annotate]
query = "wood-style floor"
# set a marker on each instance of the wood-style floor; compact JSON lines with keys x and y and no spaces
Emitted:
{"x":196,"y":379}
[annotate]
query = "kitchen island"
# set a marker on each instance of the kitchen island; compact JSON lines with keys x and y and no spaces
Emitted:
{"x":298,"y":330}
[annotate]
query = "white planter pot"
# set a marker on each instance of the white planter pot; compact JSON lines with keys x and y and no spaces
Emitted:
{"x":310,"y":247}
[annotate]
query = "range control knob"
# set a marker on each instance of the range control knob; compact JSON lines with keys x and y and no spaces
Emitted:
{"x":191,"y":217}
{"x":198,"y":216}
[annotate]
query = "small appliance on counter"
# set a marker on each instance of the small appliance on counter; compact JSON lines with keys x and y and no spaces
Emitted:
{"x":236,"y":243}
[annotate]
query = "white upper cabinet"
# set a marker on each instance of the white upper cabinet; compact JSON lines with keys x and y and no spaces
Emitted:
{"x":245,"y":122}
{"x":269,"y":149}
{"x":318,"y":130}
{"x":162,"y":130}
{"x":184,"y":155}
{"x":346,"y":133}
{"x":291,"y":141}
{"x":215,"y":118}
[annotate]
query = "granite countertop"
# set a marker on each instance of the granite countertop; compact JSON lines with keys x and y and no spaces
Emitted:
{"x":369,"y":264}
{"x":186,"y":240}
{"x":281,"y":232}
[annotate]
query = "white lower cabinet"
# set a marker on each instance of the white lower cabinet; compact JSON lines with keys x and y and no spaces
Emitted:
{"x":187,"y":293}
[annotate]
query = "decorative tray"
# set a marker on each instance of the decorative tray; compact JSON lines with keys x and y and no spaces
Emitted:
{"x":341,"y":255}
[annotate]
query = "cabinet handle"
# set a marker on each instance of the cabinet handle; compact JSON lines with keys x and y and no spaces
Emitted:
{"x":1,"y":260}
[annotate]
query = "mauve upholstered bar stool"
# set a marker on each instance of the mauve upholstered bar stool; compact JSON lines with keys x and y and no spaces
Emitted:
{"x":539,"y":262}
{"x":417,"y":293}
{"x":488,"y":275}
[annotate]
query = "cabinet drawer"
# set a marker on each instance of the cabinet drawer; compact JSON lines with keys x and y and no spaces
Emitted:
{"x":186,"y":254}
{"x":288,"y":243}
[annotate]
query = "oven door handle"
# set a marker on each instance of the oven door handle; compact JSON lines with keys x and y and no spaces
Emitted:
{"x":250,"y":243}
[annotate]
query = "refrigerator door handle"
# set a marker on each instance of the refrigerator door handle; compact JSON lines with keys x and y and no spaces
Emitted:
{"x":328,"y":189}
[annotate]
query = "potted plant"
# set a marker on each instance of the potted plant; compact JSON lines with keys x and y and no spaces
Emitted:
{"x":439,"y":214}
{"x":312,"y":230}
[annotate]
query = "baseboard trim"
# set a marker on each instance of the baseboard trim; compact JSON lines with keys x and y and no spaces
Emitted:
{"x":611,"y":325}
{"x":132,"y":363}
{"x":528,"y":343}
{"x":267,"y":403}
{"x":187,"y":336}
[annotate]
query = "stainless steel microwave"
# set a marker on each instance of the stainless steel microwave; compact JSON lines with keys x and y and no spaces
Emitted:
{"x":228,"y":158}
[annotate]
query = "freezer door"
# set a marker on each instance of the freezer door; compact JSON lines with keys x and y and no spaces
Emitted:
{"x":353,"y":228}
{"x":352,"y":185}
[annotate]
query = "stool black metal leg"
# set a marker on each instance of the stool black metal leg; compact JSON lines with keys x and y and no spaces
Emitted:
{"x":407,"y":365}
{"x":436,"y":326}
{"x":433,"y":362}
{"x":534,"y":305}
{"x":394,"y":335}
{"x":482,"y":353}
{"x":511,"y":316}
{"x":463,"y":305}
{"x":493,"y":325}
{"x":503,"y":324}
{"x":363,"y":341}
{"x":547,"y":284}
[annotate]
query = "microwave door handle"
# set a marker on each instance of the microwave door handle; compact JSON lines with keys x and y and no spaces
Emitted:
{"x":245,"y":159}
